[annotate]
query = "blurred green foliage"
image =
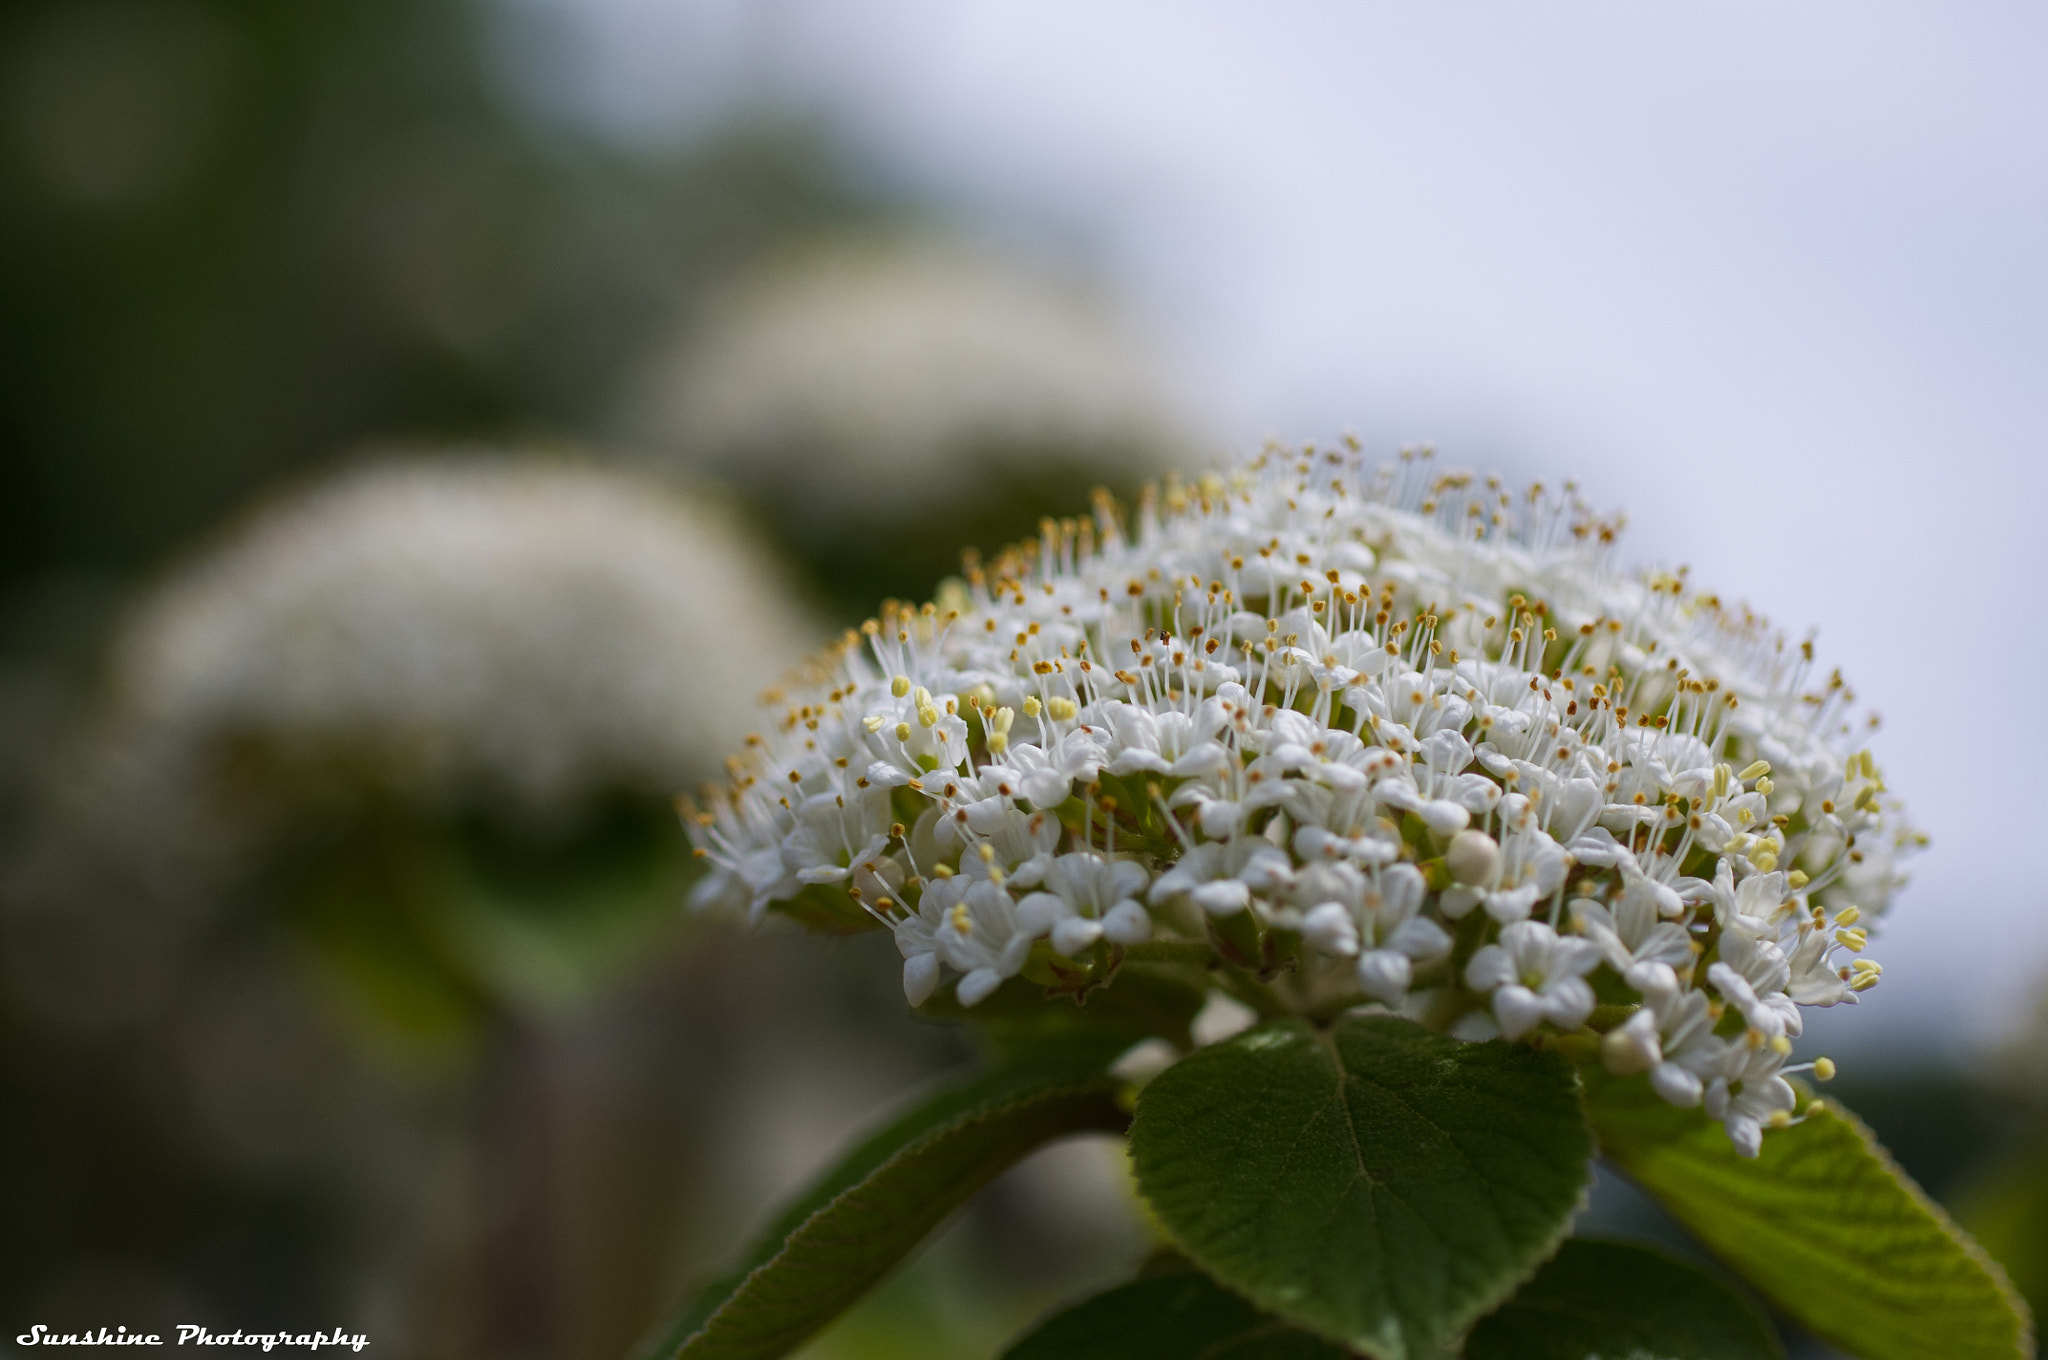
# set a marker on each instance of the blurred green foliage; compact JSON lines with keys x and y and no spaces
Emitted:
{"x":237,"y":239}
{"x":239,"y":236}
{"x":434,"y":925}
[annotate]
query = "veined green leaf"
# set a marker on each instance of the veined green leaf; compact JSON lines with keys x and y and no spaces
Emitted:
{"x":1181,"y":1315}
{"x":1824,"y":1225}
{"x":1378,"y":1183}
{"x":884,"y":1198}
{"x":1611,"y":1299}
{"x":1591,"y":1300}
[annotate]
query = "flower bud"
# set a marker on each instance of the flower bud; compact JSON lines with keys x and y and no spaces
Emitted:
{"x":1472,"y":858}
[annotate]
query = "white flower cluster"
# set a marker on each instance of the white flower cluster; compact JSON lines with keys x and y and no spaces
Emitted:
{"x":525,"y":625}
{"x":894,"y":377}
{"x":1376,"y":735}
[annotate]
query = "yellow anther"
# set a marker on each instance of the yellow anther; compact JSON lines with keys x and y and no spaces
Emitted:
{"x":1849,"y":915}
{"x":1722,"y":774}
{"x":959,"y":919}
{"x":1765,"y":860}
{"x":1823,"y":1069}
{"x":1764,"y":787}
{"x":1755,"y":770}
{"x":875,"y":724}
{"x":1797,"y":879}
{"x":1780,"y":1119}
{"x":903,"y":731}
{"x":1032,"y":708}
{"x":987,"y":852}
{"x":900,"y":686}
{"x":1852,"y":940}
{"x":1781,"y":1046}
{"x":1061,"y":709}
{"x":1865,"y":797}
{"x":1863,"y":982}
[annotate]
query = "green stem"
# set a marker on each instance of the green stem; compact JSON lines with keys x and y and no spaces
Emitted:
{"x":1251,"y":991}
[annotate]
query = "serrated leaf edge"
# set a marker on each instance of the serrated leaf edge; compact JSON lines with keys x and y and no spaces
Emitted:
{"x":1323,"y":1038}
{"x":1955,"y":1231}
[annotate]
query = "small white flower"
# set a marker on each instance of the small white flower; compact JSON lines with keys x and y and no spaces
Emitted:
{"x":1811,"y":978}
{"x":1169,"y":743}
{"x":1086,"y":898}
{"x":1213,"y":875}
{"x":1752,"y":974}
{"x":1049,"y":775}
{"x":837,"y":839}
{"x":1331,"y":928}
{"x":974,"y":930}
{"x":1535,"y":975}
{"x":1632,"y":934}
{"x":1021,"y":844}
{"x":1747,"y":1094}
{"x":1393,"y":936}
{"x":1671,"y":1038}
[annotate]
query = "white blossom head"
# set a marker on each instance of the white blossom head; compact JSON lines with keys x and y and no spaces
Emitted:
{"x":515,"y":629}
{"x":863,"y":385}
{"x":1381,"y":735}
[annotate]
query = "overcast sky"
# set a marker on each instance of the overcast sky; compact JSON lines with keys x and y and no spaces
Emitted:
{"x":1770,"y":278}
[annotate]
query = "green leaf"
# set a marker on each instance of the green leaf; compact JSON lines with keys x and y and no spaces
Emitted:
{"x":1824,"y":1224}
{"x":1591,"y":1300}
{"x":1378,"y":1183}
{"x":1608,"y":1299}
{"x":884,"y":1198}
{"x":1182,"y":1315}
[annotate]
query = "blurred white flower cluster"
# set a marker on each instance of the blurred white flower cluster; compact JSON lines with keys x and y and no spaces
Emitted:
{"x":895,"y":375}
{"x":1381,"y":734}
{"x":520,"y":628}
